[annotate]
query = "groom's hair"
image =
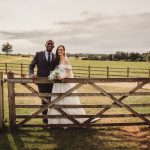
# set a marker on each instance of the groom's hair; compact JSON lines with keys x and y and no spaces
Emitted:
{"x":50,"y":42}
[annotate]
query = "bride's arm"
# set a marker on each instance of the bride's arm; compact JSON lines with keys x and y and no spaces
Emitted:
{"x":68,"y":72}
{"x":67,"y":75}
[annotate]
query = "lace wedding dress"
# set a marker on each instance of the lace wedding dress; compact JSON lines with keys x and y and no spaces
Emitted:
{"x":61,"y":88}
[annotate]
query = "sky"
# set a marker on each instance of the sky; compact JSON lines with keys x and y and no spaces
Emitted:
{"x":82,"y":26}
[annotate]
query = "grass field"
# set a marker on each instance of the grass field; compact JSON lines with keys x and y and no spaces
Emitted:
{"x":115,"y":67}
{"x":103,"y":138}
{"x":78,"y":62}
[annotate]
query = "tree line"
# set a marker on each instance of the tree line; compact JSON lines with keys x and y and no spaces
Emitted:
{"x":118,"y":56}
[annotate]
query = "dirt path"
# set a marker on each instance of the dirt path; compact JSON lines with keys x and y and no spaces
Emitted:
{"x":140,"y":134}
{"x":124,"y":84}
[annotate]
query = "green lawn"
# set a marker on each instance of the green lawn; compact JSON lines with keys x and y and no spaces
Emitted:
{"x":70,"y":139}
{"x":119,"y":64}
{"x":14,"y":59}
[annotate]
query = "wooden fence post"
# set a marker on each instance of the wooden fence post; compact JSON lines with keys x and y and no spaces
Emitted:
{"x":89,"y":71}
{"x":11,"y":101}
{"x":127,"y":72}
{"x":107,"y":71}
{"x":21,"y":70}
{"x":1,"y":101}
{"x":6,"y":68}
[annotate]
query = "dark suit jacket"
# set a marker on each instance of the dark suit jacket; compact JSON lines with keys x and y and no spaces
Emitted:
{"x":43,"y":67}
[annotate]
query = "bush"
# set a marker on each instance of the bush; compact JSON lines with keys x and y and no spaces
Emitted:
{"x":84,"y":58}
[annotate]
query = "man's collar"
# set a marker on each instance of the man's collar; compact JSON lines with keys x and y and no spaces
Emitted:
{"x":46,"y":52}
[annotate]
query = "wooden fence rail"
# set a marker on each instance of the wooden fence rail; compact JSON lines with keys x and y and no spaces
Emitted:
{"x":1,"y":101}
{"x":27,"y":120}
{"x":83,"y":71}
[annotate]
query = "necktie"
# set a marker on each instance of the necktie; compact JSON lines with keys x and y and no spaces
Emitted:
{"x":49,"y":58}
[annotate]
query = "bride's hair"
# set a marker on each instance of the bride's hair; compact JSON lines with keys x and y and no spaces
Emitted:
{"x":57,"y":55}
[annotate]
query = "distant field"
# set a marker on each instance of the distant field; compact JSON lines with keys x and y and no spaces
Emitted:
{"x":78,"y":62}
{"x":80,"y":67}
{"x":94,"y":63}
{"x":14,"y":59}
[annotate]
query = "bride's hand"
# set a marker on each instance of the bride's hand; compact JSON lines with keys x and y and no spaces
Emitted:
{"x":60,"y":78}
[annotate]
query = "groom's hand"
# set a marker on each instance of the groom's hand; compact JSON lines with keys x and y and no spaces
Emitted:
{"x":33,"y":77}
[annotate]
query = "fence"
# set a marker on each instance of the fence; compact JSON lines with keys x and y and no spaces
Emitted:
{"x":27,"y":120}
{"x":83,"y":71}
{"x":18,"y":69}
{"x":1,"y":101}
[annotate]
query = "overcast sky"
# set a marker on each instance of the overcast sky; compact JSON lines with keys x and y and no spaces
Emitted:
{"x":87,"y":26}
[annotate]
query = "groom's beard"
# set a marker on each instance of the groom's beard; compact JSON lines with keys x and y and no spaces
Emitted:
{"x":49,"y":50}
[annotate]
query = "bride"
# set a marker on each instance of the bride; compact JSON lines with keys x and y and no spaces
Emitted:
{"x":65,"y":71}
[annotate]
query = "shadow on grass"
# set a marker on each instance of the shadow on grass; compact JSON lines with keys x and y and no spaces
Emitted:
{"x":4,"y":141}
{"x":67,"y":139}
{"x":96,"y":139}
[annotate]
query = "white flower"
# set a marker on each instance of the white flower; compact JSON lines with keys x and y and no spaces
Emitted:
{"x":53,"y":74}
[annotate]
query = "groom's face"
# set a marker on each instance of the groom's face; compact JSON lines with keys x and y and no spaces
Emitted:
{"x":49,"y":45}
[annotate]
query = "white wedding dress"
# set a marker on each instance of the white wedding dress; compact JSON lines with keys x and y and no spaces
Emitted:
{"x":74,"y":100}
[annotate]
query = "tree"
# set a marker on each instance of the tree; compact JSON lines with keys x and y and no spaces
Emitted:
{"x":110,"y":57}
{"x":7,"y":48}
{"x":148,"y":57}
{"x":76,"y":56}
{"x":103,"y":57}
{"x":135,"y":56}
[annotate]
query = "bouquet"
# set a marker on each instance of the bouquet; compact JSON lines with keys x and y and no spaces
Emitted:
{"x":53,"y":75}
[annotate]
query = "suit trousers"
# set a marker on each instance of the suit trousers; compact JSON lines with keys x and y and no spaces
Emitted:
{"x":45,"y":88}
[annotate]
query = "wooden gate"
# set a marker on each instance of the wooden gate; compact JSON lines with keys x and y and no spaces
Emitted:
{"x":1,"y":101}
{"x":143,"y":118}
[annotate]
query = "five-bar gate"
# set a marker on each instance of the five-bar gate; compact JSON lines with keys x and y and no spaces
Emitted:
{"x":24,"y":120}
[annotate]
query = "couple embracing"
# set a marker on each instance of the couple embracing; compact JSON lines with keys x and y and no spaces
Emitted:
{"x":46,"y":61}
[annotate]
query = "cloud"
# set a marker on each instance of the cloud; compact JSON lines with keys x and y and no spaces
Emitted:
{"x":102,"y":34}
{"x":99,"y":32}
{"x":22,"y":35}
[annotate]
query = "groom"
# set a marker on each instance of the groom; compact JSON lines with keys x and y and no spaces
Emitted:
{"x":45,"y":62}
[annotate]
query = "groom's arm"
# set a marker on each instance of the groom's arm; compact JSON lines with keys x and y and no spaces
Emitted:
{"x":32,"y":65}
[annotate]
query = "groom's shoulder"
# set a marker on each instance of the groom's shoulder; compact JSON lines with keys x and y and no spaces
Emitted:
{"x":40,"y":52}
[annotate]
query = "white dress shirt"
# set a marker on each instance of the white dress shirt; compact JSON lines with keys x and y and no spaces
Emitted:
{"x":46,"y":55}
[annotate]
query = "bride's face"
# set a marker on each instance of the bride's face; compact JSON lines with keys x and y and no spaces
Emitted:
{"x":61,"y":51}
